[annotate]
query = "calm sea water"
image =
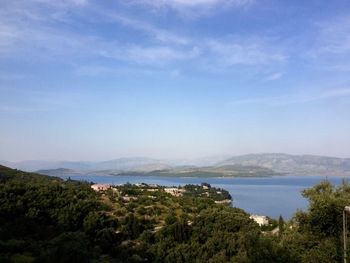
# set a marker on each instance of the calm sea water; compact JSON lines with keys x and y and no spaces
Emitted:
{"x":271,"y":196}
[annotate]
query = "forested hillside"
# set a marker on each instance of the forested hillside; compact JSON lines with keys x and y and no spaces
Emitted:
{"x":46,"y":219}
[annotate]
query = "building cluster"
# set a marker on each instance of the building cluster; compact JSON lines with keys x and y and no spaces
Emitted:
{"x":224,"y":202}
{"x":100,"y":187}
{"x":260,"y":220}
{"x":174,"y":191}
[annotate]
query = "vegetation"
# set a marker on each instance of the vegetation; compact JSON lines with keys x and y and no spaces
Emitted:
{"x":316,"y":235}
{"x":205,"y":190}
{"x":46,"y":219}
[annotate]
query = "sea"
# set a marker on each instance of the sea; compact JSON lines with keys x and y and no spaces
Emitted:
{"x":271,"y":196}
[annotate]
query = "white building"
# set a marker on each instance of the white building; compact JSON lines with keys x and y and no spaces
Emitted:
{"x":261,"y":220}
{"x":100,"y":187}
{"x":174,"y":191}
{"x":223,"y":202}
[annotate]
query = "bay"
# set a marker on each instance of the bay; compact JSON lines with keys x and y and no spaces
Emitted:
{"x":271,"y":196}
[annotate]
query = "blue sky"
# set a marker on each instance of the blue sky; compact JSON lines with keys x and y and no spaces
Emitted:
{"x":96,"y":80}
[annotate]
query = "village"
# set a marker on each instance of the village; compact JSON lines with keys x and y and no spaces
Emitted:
{"x":219,"y":196}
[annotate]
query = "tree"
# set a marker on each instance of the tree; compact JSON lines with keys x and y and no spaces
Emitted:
{"x":281,"y":225}
{"x":67,"y":247}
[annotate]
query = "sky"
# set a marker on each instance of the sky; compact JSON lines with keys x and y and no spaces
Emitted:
{"x":97,"y":80}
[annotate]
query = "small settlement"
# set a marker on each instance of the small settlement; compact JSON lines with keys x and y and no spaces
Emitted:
{"x":132,"y":192}
{"x":220,"y":196}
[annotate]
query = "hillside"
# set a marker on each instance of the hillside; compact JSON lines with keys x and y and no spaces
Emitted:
{"x":49,"y":220}
{"x":45,"y":219}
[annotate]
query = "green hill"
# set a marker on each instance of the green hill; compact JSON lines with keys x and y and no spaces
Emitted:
{"x":46,"y":219}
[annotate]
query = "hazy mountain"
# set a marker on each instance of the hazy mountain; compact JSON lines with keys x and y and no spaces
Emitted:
{"x":152,"y":167}
{"x":294,"y":164}
{"x":127,"y":164}
{"x":124,"y":164}
{"x":203,"y":161}
{"x":59,"y":172}
{"x":245,"y":165}
{"x":217,"y":171}
{"x":34,"y":165}
{"x":164,"y":170}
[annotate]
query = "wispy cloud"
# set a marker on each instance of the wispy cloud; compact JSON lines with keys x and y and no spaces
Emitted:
{"x":238,"y":51}
{"x":8,"y":36}
{"x":29,"y":101}
{"x":62,"y":3}
{"x":24,"y":109}
{"x":158,"y":55}
{"x":164,"y":36}
{"x":95,"y":70}
{"x":11,"y":76}
{"x":40,"y":37}
{"x":294,"y":98}
{"x":339,"y":67}
{"x":232,"y":50}
{"x":194,"y":8}
{"x":194,"y":3}
{"x":274,"y":76}
{"x":49,"y":43}
{"x":175,"y":73}
{"x":334,"y":36}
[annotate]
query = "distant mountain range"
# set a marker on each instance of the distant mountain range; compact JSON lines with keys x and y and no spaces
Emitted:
{"x":124,"y":164}
{"x":264,"y":164}
{"x":294,"y":164}
{"x":210,"y":171}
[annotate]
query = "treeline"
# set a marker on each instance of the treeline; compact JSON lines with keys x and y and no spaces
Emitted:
{"x":46,"y":219}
